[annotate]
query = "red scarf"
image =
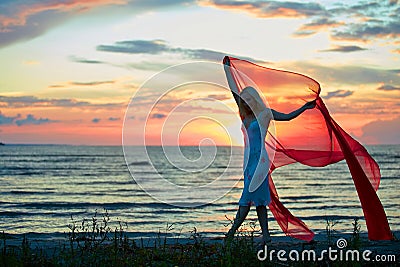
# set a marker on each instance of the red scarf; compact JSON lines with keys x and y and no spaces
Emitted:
{"x":313,"y":139}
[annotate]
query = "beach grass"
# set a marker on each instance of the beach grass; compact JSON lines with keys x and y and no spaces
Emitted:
{"x":98,"y":241}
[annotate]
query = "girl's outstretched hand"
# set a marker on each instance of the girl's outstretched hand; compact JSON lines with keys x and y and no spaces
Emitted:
{"x":311,"y":104}
{"x":226,"y":61}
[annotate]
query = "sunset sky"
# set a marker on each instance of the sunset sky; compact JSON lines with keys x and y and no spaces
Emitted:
{"x":69,"y":68}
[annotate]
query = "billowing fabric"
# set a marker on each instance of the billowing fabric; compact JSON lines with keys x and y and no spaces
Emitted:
{"x":255,"y":166}
{"x":313,"y":139}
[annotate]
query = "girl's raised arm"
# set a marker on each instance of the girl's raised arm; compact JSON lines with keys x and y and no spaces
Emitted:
{"x":231,"y":81}
{"x":278,"y":116}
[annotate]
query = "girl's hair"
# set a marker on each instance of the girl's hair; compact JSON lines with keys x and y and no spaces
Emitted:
{"x":260,"y":106}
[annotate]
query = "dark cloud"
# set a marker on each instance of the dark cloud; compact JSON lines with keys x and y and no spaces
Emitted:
{"x":369,"y":30}
{"x":113,"y":119}
{"x":360,"y":8}
{"x":388,"y":87}
{"x":376,"y":19}
{"x":158,"y":116}
{"x":96,"y":120}
{"x":378,"y":106}
{"x":304,"y":33}
{"x":154,"y":47}
{"x":136,"y":47}
{"x":347,"y":74}
{"x":201,"y":54}
{"x":218,"y":97}
{"x":92,"y":83}
{"x":34,"y":26}
{"x":30,"y":119}
{"x":382,"y":131}
{"x":317,"y":25}
{"x":33,"y":101}
{"x":84,"y":60}
{"x":338,"y":93}
{"x":344,"y":49}
{"x":5,"y":120}
{"x":146,"y":65}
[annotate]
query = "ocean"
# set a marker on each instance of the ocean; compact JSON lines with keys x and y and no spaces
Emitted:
{"x":45,"y":187}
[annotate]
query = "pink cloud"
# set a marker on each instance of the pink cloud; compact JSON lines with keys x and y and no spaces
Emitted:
{"x":382,"y":132}
{"x":25,"y":11}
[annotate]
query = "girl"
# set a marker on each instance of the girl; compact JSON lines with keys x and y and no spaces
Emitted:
{"x":256,"y":118}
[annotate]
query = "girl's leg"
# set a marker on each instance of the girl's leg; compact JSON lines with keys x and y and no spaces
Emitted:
{"x":263,"y":219}
{"x":240,"y":216}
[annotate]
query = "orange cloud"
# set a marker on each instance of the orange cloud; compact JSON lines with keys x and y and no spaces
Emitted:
{"x":320,"y":25}
{"x":269,"y":9}
{"x":25,"y":11}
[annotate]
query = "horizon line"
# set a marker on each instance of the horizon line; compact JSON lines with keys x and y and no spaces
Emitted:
{"x":45,"y":144}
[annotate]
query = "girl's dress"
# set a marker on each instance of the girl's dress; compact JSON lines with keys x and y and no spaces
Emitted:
{"x":255,"y":166}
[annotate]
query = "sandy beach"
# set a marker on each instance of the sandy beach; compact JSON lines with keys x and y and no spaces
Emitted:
{"x":384,"y":253}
